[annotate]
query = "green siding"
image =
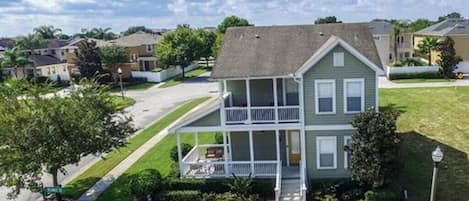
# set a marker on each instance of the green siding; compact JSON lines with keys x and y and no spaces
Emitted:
{"x":212,"y":119}
{"x":311,"y":166}
{"x":264,"y":146}
{"x":353,"y":68}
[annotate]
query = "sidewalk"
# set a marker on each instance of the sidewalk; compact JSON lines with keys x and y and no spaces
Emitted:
{"x":111,"y":176}
{"x":385,"y":83}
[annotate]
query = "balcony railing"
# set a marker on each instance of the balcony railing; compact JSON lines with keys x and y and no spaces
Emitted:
{"x":262,"y":114}
{"x":197,"y":164}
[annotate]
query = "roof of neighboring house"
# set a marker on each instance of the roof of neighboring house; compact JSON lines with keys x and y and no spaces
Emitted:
{"x":206,"y":108}
{"x":282,"y":50}
{"x":43,"y":60}
{"x":380,"y":27}
{"x":136,"y":39}
{"x":451,"y":26}
{"x":6,"y":43}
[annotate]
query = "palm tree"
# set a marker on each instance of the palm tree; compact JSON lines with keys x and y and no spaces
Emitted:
{"x":14,"y":58}
{"x":47,"y":31}
{"x":427,"y":45}
{"x":397,"y":29}
{"x":29,"y":43}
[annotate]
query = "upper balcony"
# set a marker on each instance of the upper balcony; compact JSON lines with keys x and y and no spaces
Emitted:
{"x":261,"y":101}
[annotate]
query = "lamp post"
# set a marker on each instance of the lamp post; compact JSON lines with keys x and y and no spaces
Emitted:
{"x":437,"y":157}
{"x":119,"y":71}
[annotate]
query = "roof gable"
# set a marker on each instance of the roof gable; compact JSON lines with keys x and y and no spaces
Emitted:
{"x":452,"y":26}
{"x":282,"y":50}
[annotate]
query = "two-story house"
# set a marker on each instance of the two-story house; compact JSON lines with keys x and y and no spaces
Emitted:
{"x":287,"y":96}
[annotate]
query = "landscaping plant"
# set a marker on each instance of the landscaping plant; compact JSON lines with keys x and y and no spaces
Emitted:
{"x":448,"y":58}
{"x":142,"y":184}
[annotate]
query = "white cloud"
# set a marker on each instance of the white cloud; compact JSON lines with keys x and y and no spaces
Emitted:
{"x":54,"y":5}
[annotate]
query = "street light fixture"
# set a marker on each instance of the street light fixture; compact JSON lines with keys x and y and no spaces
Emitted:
{"x":437,"y":157}
{"x":119,"y":71}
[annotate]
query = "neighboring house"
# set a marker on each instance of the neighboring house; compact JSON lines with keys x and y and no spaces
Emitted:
{"x":382,"y":31}
{"x":458,"y":30}
{"x":404,"y":46}
{"x":5,"y":43}
{"x":49,"y":66}
{"x":141,"y":49}
{"x":287,"y":97}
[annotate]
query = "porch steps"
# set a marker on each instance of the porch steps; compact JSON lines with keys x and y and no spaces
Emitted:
{"x":290,"y":189}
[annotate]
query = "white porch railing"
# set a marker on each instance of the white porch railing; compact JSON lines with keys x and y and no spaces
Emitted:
{"x":303,"y":178}
{"x":195,"y":164}
{"x":278,"y":182}
{"x":262,"y":114}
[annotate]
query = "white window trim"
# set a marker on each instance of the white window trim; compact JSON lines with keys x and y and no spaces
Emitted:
{"x":316,"y":97}
{"x":338,"y":55}
{"x":362,"y":81}
{"x":346,"y":165}
{"x":318,"y":140}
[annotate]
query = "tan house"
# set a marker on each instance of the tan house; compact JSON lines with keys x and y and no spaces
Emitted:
{"x":458,"y":30}
{"x":382,"y":31}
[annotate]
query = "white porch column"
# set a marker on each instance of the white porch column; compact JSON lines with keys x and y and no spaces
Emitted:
{"x":196,"y":138}
{"x":178,"y":139}
{"x":287,"y":147}
{"x":284,"y":92}
{"x":274,"y":80}
{"x":229,"y":146}
{"x":222,"y":103}
{"x":225,"y":154}
{"x":277,"y":143}
{"x":302,"y":121}
{"x":251,"y":153}
{"x":248,"y":99}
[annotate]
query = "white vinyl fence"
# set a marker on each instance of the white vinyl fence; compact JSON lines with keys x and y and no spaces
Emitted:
{"x":162,"y":75}
{"x":411,"y":69}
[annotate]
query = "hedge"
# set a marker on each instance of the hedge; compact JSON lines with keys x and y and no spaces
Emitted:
{"x":423,"y":75}
{"x":183,"y":195}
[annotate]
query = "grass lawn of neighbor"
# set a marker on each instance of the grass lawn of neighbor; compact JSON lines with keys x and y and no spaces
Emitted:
{"x":157,"y":158}
{"x":137,"y":87}
{"x":431,"y":117}
{"x":87,"y":179}
{"x":405,"y":81}
{"x":188,"y":75}
{"x":121,"y":103}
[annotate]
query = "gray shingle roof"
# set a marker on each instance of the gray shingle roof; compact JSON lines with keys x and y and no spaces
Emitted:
{"x":282,"y":50}
{"x":136,"y":39}
{"x":43,"y":60}
{"x":6,"y":42}
{"x":380,"y":27}
{"x":452,"y":26}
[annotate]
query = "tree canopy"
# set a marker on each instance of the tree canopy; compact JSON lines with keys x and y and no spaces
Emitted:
{"x":232,"y":21}
{"x":47,"y":133}
{"x":97,"y":33}
{"x":448,"y":58}
{"x":136,"y":29}
{"x":327,"y":20}
{"x":14,"y":58}
{"x":207,"y":39}
{"x":450,"y":15}
{"x":30,"y":42}
{"x":88,"y":59}
{"x":179,"y":47}
{"x":420,"y":24}
{"x":113,"y":56}
{"x":427,"y":45}
{"x":48,"y":31}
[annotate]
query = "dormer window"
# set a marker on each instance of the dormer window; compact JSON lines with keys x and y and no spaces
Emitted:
{"x":338,"y":59}
{"x":149,"y":48}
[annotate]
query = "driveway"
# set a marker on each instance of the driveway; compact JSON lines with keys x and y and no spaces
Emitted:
{"x":151,"y":104}
{"x":385,"y":83}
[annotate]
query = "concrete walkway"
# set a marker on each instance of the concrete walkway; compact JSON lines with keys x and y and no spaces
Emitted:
{"x":110,"y":177}
{"x":385,"y":83}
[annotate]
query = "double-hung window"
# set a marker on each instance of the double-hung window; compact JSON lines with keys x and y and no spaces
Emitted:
{"x":354,"y":95}
{"x":326,"y":149}
{"x":347,"y":155}
{"x":325,"y":96}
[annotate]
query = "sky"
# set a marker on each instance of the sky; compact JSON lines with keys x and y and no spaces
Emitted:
{"x":19,"y":17}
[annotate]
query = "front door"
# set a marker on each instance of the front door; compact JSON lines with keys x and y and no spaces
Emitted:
{"x":294,"y":147}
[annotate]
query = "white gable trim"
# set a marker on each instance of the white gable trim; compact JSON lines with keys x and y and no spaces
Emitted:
{"x":330,"y":44}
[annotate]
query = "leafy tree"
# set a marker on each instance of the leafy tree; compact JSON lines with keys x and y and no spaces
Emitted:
{"x":185,"y":149}
{"x":375,"y":147}
{"x":448,"y":58}
{"x":207,"y":41}
{"x":451,"y":15}
{"x":232,"y":21}
{"x":218,"y":43}
{"x":88,"y":59}
{"x":135,"y":29}
{"x":97,"y":33}
{"x":40,"y":133}
{"x":179,"y":47}
{"x":30,"y":42}
{"x":48,"y":31}
{"x":14,"y":58}
{"x":327,"y":20}
{"x":113,"y":57}
{"x":63,"y":36}
{"x":427,"y":45}
{"x":420,"y":24}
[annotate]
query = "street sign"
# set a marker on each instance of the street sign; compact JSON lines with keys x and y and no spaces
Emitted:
{"x":50,"y":190}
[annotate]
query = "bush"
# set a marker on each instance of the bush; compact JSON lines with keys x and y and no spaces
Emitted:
{"x":185,"y":195}
{"x":185,"y":148}
{"x":145,"y":183}
{"x":227,"y":197}
{"x":380,"y":196}
{"x":218,"y":138}
{"x":424,"y":75}
{"x":344,"y":190}
{"x":174,"y":172}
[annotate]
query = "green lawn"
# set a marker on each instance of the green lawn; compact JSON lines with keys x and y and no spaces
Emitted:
{"x":157,"y":158}
{"x":137,"y":87}
{"x":188,"y":75}
{"x":88,"y":178}
{"x":431,"y":117}
{"x":121,"y":103}
{"x":403,"y":81}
